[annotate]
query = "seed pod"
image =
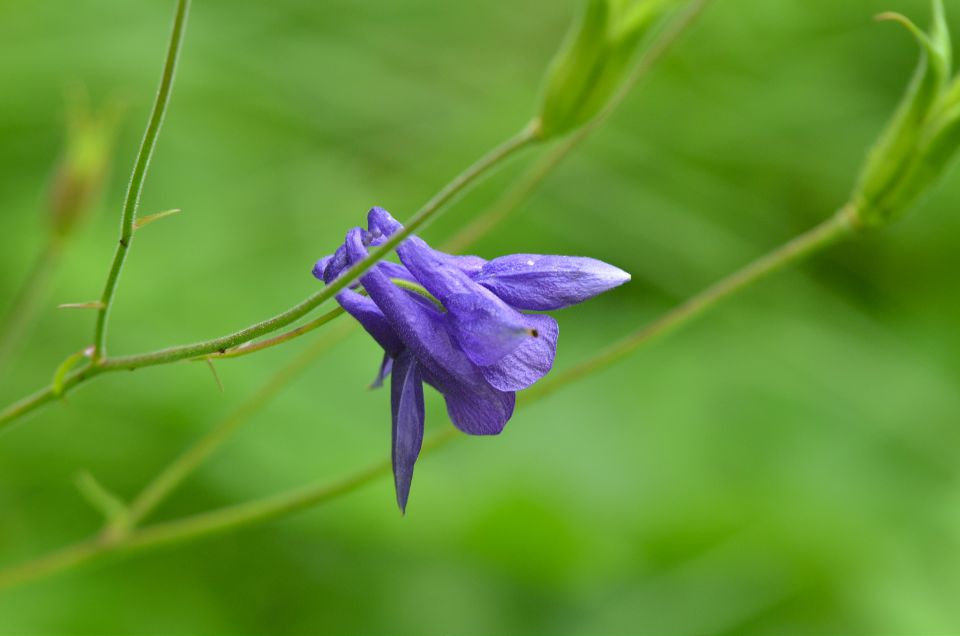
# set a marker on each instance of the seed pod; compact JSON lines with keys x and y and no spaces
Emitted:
{"x":594,"y":61}
{"x":82,"y":169}
{"x":921,"y":141}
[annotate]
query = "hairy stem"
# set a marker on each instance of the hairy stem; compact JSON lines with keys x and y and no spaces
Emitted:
{"x":134,"y":190}
{"x":230,"y":518}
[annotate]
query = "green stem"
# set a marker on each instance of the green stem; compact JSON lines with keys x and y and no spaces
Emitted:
{"x":177,"y":471}
{"x":134,"y":190}
{"x":450,"y":192}
{"x":229,"y":518}
{"x":302,"y":330}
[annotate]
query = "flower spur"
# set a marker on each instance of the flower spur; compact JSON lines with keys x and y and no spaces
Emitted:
{"x":467,"y":336}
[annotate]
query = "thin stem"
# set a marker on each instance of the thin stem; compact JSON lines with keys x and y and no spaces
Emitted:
{"x":530,"y":180}
{"x":253,"y":347}
{"x":134,"y":190}
{"x":229,"y":518}
{"x":27,"y":301}
{"x":302,"y":330}
{"x":175,"y":473}
{"x":450,"y":192}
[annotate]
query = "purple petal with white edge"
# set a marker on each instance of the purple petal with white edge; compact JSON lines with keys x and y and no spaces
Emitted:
{"x":372,"y":319}
{"x":530,"y":362}
{"x":486,"y":328}
{"x":406,"y":396}
{"x":541,"y":283}
{"x":474,"y":406}
{"x":386,"y":366}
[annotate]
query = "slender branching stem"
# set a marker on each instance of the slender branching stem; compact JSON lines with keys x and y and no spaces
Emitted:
{"x":230,"y":518}
{"x":468,"y":178}
{"x":135,"y":188}
{"x":253,"y":347}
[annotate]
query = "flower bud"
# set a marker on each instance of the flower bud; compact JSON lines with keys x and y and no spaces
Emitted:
{"x":82,"y":168}
{"x":922,"y":139}
{"x":594,"y":61}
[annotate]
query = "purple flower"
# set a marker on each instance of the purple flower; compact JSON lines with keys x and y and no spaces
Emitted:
{"x":470,"y":341}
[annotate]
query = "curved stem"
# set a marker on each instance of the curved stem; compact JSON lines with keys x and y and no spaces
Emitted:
{"x":142,"y":163}
{"x":841,"y":225}
{"x":450,"y":192}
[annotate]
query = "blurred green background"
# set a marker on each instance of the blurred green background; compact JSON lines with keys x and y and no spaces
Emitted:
{"x":786,"y":466}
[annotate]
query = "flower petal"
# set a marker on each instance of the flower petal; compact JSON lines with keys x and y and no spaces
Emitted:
{"x":474,"y":406}
{"x":372,"y":319}
{"x":321,"y":266}
{"x":540,"y":282}
{"x":530,"y":362}
{"x":379,"y":221}
{"x":406,"y":396}
{"x":334,"y":265}
{"x":485,"y":327}
{"x":386,"y":366}
{"x":475,"y":409}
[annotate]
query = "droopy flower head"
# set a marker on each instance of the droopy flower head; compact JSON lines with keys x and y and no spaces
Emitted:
{"x":466,"y":334}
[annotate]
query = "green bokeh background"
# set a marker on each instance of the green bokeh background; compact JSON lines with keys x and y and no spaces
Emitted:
{"x":788,"y":465}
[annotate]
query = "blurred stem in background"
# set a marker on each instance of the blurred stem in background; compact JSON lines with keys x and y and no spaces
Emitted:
{"x":74,"y":193}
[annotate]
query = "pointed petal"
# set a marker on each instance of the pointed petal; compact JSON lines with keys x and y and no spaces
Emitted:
{"x":474,"y":406}
{"x":386,"y":366}
{"x":406,"y":393}
{"x":530,"y":362}
{"x":485,"y":327}
{"x":541,"y":283}
{"x":372,"y":319}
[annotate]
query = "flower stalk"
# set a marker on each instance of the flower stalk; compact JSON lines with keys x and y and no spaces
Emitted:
{"x":135,"y":188}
